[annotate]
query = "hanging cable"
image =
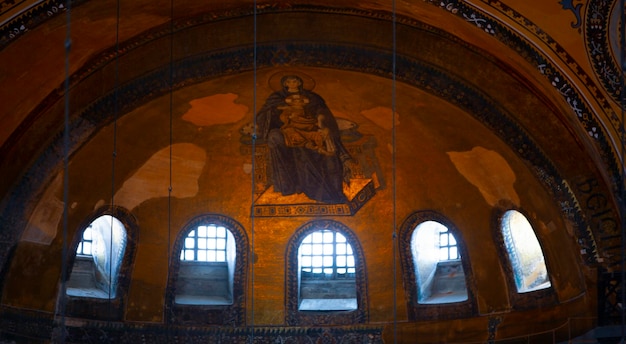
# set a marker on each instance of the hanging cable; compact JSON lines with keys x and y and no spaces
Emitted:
{"x":394,"y":236}
{"x":114,"y":150}
{"x":171,"y":141}
{"x":62,"y":335}
{"x":254,"y":138}
{"x":622,"y":53}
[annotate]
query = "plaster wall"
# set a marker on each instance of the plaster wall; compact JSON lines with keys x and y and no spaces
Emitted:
{"x":445,"y":161}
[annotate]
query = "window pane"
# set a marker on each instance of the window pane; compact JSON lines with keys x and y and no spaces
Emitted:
{"x":87,"y":234}
{"x":341,"y":249}
{"x":305,"y":249}
{"x":328,"y":237}
{"x":189,"y":255}
{"x":317,"y":237}
{"x":328,"y":249}
{"x":220,"y":256}
{"x":201,"y":231}
{"x":211,"y":244}
{"x":306,"y":261}
{"x":221,"y":232}
{"x":86,"y":248}
{"x":341,"y":261}
{"x":317,"y":261}
{"x":190,"y":243}
{"x":340,"y":237}
{"x":351,"y":261}
{"x":221,"y":244}
{"x":452,"y":239}
{"x":202,"y":243}
{"x":211,"y":256}
{"x":202,"y":256}
{"x":454,"y":254}
{"x":318,"y":248}
{"x":211,"y":231}
{"x":328,"y":261}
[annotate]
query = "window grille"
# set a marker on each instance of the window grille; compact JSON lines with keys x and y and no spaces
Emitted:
{"x":205,"y":244}
{"x":326,"y":254}
{"x":85,"y":246}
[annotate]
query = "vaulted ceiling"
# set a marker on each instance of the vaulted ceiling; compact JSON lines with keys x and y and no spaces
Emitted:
{"x":480,"y":90}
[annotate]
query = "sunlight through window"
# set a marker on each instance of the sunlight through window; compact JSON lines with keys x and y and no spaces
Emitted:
{"x":524,"y":253}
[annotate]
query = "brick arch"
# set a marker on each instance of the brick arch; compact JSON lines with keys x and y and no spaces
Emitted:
{"x":110,"y":309}
{"x":416,"y":310}
{"x":296,"y":318}
{"x":228,"y":315}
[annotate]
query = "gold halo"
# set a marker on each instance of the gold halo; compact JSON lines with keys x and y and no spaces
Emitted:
{"x":274,"y":81}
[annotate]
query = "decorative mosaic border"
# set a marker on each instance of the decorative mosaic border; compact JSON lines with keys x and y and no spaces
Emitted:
{"x":34,"y":327}
{"x":597,"y":25}
{"x":30,"y":18}
{"x":580,"y":108}
{"x":317,"y":209}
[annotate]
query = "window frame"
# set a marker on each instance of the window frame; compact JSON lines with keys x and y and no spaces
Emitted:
{"x":98,"y":308}
{"x":215,"y":314}
{"x":433,"y":311}
{"x":296,"y":317}
{"x":528,"y":299}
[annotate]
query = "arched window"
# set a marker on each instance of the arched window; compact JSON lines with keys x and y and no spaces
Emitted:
{"x":207,"y":265}
{"x":436,"y":269}
{"x":98,"y":259}
{"x":207,"y":280}
{"x":326,"y":282}
{"x":327,"y":272}
{"x":524,"y":253}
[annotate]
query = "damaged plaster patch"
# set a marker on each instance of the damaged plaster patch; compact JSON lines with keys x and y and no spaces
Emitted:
{"x":43,"y":223}
{"x":381,"y":116}
{"x":152,"y":179}
{"x":489,"y":172}
{"x":215,"y":109}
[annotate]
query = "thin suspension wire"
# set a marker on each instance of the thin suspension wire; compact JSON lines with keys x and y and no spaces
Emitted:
{"x":171,"y":140}
{"x":66,"y":148}
{"x":393,"y":175}
{"x":254,"y":138}
{"x":622,"y":190}
{"x":114,"y":154}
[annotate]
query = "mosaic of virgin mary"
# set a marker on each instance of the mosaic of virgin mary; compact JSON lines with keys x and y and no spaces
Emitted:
{"x":305,"y":149}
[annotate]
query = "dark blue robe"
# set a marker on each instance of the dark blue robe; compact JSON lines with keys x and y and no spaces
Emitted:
{"x":298,"y":169}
